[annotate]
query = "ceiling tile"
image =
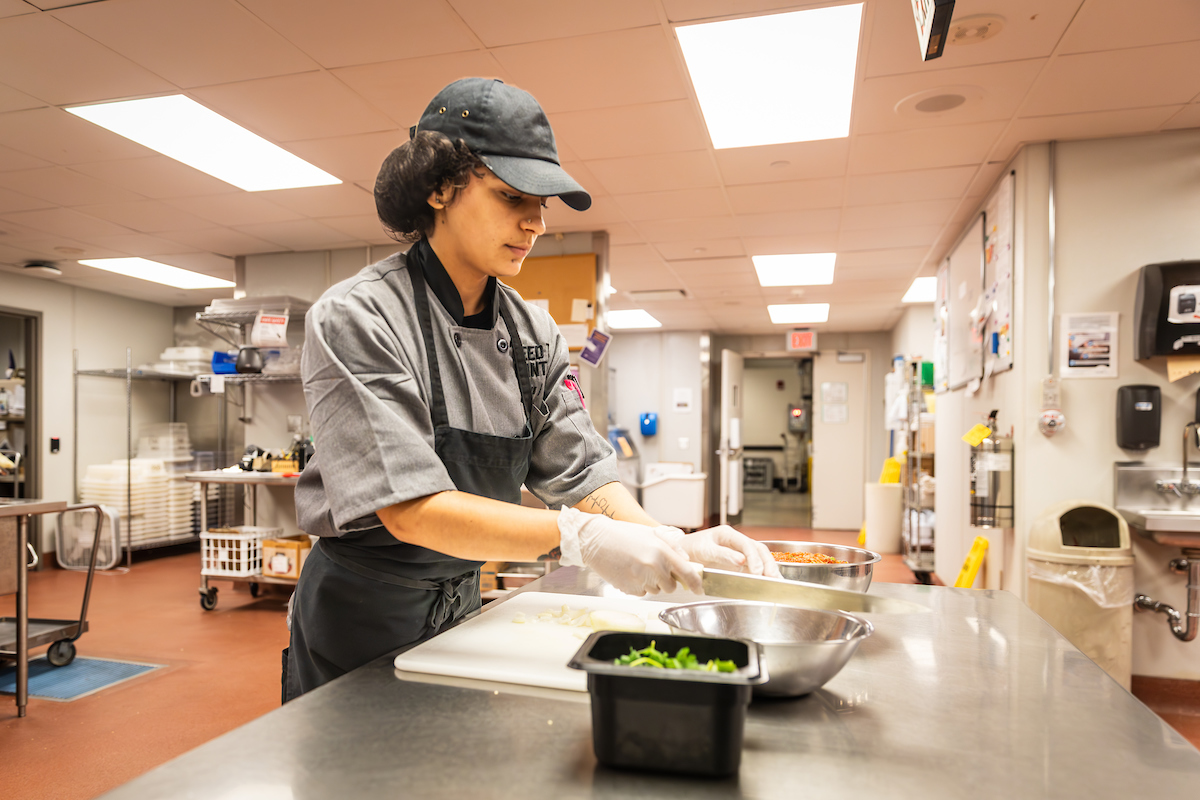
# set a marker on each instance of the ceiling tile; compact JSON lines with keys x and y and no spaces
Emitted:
{"x":673,"y":205}
{"x":1186,"y":117}
{"x":584,"y":177}
{"x":146,"y":216}
{"x":992,"y":92}
{"x":11,"y":160}
{"x":886,"y":257}
{"x":816,"y":242}
{"x":876,"y":238}
{"x":642,"y":278}
{"x":784,"y":162}
{"x":622,"y":131}
{"x":858,"y":275}
{"x":15,"y":8}
{"x":63,"y":187}
{"x":12,"y":100}
{"x":764,"y":198}
{"x":362,"y":228}
{"x":54,"y":135}
{"x":559,"y":216}
{"x":365,"y":31}
{"x":347,"y":200}
{"x":65,"y":222}
{"x":137,"y":244}
{"x":15,"y":201}
{"x":1092,"y":125}
{"x":696,"y":10}
{"x":624,"y":233}
{"x":1032,"y":28}
{"x":189,"y":42}
{"x":786,"y":223}
{"x":687,"y":230}
{"x":896,"y":215}
{"x":1116,"y":24}
{"x":1136,"y":78}
{"x":158,"y":177}
{"x":700,"y":248}
{"x":47,"y":246}
{"x":619,"y":68}
{"x":662,"y":172}
{"x":311,"y":105}
{"x":80,"y":70}
{"x":899,"y":187}
{"x":923,"y":149}
{"x":403,"y":88}
{"x":300,"y":234}
{"x":518,"y":21}
{"x":351,"y":158}
{"x":223,"y":241}
{"x":634,"y":255}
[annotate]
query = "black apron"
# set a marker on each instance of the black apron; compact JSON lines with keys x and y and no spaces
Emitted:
{"x":352,"y":603}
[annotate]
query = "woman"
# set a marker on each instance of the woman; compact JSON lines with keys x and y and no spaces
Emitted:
{"x":435,"y":392}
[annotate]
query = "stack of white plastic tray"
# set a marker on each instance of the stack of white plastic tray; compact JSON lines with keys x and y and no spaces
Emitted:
{"x":140,"y":493}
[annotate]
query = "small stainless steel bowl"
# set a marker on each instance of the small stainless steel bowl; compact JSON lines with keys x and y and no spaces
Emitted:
{"x":803,"y":647}
{"x":854,"y":576}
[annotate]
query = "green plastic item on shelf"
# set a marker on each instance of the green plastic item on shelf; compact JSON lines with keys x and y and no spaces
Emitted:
{"x":927,"y":373}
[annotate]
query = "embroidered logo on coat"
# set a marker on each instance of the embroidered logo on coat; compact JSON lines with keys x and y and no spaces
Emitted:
{"x":538,"y":358}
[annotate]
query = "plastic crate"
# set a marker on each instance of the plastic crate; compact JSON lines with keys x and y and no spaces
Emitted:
{"x":234,"y":552}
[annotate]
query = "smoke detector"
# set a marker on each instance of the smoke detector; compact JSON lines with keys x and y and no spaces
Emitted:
{"x":48,"y":268}
{"x":974,"y":29}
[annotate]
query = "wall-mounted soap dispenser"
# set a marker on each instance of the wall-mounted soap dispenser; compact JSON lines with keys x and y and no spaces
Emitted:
{"x":1139,"y":416}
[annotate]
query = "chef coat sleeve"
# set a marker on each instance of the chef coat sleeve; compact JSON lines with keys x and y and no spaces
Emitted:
{"x":570,"y":459}
{"x":371,"y":425}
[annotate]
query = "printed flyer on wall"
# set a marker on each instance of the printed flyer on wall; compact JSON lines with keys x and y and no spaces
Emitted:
{"x":1089,"y":345}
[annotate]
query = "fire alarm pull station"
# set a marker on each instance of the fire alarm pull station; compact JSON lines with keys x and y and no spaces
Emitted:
{"x":796,"y":422}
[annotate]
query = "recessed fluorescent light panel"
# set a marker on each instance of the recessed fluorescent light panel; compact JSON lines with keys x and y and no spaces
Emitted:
{"x":795,"y":313}
{"x":158,"y":273}
{"x":776,"y":78}
{"x":632,"y":318}
{"x":181,"y":128}
{"x":923,"y":290}
{"x":801,"y":269}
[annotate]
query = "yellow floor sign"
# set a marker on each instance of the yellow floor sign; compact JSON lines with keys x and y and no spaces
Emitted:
{"x":970,"y":567}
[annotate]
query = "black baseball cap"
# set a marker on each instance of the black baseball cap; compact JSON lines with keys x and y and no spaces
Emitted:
{"x":508,"y":130}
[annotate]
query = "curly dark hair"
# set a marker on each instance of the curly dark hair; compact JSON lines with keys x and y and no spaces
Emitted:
{"x":428,"y":162}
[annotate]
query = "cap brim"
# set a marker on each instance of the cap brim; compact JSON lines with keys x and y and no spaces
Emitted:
{"x":541,"y":178}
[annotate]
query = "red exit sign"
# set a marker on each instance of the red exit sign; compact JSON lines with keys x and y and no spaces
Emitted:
{"x":802,"y":341}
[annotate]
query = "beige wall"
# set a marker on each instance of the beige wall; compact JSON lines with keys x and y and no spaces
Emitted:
{"x":912,"y":335}
{"x":1122,"y":203}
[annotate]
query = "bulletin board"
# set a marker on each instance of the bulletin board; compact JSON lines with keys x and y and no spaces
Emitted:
{"x":964,"y":337}
{"x":567,"y":284}
{"x":998,"y":278}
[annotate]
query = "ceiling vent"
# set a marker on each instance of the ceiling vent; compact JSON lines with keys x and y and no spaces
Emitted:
{"x":940,"y":101}
{"x":48,"y":268}
{"x":659,"y":295}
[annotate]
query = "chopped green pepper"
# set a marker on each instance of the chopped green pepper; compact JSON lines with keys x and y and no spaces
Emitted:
{"x":684,"y":659}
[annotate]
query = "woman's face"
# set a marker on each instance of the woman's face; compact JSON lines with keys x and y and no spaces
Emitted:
{"x":487,"y":229}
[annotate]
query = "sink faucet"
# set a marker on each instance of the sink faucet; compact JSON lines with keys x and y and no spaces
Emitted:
{"x":1185,"y":485}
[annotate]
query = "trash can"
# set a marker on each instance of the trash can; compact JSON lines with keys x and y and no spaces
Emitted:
{"x":1079,"y":578}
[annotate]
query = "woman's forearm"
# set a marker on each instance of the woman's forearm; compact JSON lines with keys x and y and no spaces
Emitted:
{"x":477,"y":528}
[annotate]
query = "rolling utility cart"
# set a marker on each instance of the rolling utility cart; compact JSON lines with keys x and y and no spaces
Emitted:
{"x":18,"y":634}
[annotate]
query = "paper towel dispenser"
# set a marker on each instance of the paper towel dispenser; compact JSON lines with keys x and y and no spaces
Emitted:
{"x":1167,"y":317}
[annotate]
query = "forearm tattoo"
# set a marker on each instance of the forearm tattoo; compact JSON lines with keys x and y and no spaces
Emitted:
{"x":601,"y":505}
{"x":553,"y":555}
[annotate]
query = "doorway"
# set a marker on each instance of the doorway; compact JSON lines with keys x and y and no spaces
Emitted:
{"x":776,"y":442}
{"x":19,"y":360}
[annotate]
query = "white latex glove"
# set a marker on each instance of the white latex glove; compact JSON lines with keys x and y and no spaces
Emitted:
{"x":722,"y":547}
{"x":627,"y":555}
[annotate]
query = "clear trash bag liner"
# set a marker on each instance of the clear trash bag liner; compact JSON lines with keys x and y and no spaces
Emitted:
{"x":1106,"y":585}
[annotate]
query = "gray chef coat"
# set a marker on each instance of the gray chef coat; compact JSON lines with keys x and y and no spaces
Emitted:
{"x":366,"y":385}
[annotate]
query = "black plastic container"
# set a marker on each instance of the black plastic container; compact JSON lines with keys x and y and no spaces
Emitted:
{"x":669,"y":720}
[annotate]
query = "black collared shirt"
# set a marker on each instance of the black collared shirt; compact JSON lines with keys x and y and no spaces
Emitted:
{"x":447,"y":293}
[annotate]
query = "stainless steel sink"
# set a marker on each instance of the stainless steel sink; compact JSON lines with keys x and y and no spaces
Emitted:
{"x":1146,"y":501}
{"x":1171,"y":527}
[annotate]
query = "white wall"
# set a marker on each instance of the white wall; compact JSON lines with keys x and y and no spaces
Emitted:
{"x":765,"y":415}
{"x":100,"y":326}
{"x":1122,"y":203}
{"x":649,"y":368}
{"x":912,"y":335}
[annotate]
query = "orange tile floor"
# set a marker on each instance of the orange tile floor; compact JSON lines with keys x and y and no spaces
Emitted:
{"x":222,"y":670}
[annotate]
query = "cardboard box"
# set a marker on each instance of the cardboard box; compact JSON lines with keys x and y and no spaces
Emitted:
{"x":487,"y":576}
{"x":284,"y":558}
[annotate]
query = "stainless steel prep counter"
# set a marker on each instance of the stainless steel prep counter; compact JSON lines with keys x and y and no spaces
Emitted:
{"x":980,"y":698}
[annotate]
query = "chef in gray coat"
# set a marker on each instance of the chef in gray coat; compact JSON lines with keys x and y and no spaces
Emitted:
{"x":435,"y":392}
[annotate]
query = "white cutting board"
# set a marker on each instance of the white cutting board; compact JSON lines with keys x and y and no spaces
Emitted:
{"x":491,"y":647}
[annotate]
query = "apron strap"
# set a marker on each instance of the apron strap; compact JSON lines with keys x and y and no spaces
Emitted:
{"x":520,"y":365}
{"x":437,"y":404}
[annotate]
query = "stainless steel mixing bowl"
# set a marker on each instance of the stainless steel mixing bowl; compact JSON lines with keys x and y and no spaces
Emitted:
{"x":854,"y":576}
{"x":803,"y":647}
